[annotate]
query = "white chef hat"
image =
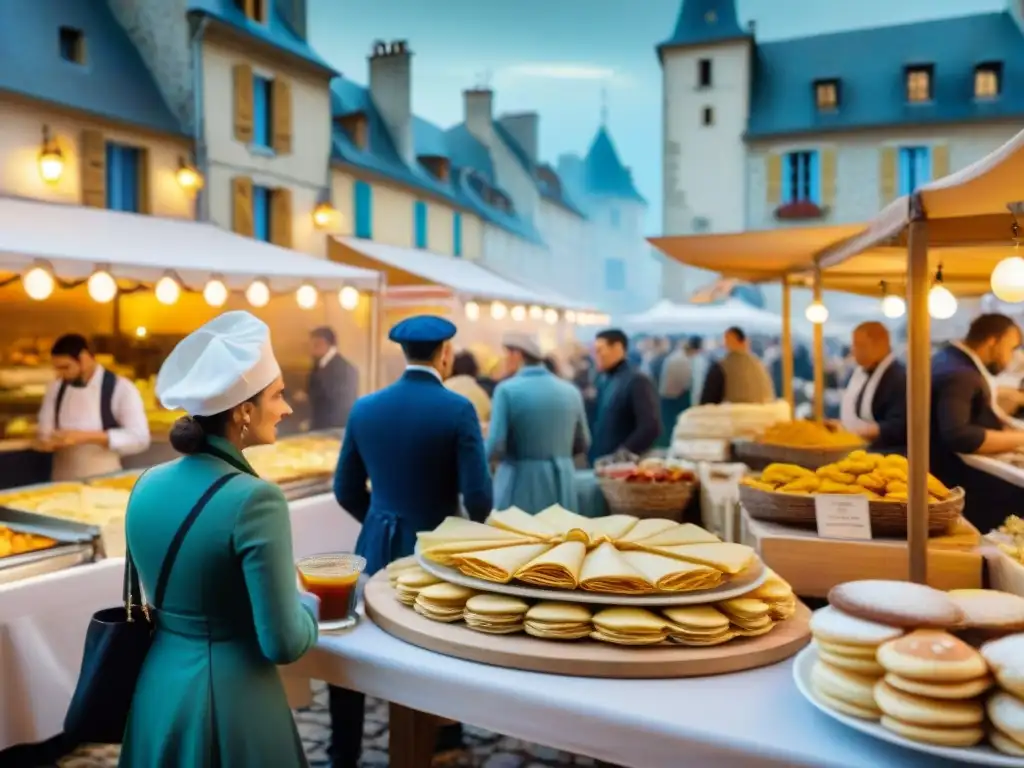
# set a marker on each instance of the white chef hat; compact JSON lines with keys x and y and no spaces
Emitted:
{"x":218,"y":366}
{"x":524,"y":342}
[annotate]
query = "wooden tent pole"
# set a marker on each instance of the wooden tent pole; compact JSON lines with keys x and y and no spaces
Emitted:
{"x":787,"y":346}
{"x":819,"y":357}
{"x":919,"y":376}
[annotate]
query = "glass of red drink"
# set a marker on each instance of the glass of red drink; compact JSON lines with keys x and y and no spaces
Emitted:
{"x":332,"y":577}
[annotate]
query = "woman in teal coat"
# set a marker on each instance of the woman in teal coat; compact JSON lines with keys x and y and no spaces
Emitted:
{"x":538,"y":424}
{"x":209,"y":693}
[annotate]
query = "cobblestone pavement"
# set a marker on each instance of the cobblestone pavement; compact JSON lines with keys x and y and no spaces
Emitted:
{"x":483,"y":748}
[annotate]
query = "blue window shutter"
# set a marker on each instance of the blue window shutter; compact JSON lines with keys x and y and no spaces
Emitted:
{"x":261,"y":213}
{"x":112,"y":188}
{"x":364,"y":210}
{"x":815,"y":175}
{"x":789,"y":162}
{"x":420,"y":216}
{"x":907,"y":163}
{"x":924,"y":165}
{"x":457,"y":233}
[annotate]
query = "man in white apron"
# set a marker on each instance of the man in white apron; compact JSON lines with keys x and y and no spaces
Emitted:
{"x":90,"y":417}
{"x":874,"y":402}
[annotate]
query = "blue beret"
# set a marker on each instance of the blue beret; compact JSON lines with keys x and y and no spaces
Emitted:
{"x":422,"y":329}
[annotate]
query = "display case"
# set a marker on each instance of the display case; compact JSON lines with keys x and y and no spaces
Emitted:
{"x":47,"y":544}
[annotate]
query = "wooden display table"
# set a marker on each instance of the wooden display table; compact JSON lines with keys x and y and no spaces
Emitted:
{"x":813,"y":565}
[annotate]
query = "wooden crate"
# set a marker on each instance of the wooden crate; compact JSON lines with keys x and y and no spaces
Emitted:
{"x":813,"y":565}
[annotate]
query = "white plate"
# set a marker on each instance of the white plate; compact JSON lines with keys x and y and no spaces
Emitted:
{"x":699,"y":597}
{"x":980,"y":755}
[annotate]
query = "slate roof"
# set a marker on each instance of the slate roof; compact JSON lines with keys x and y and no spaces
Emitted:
{"x":873,"y":87}
{"x":704,"y":21}
{"x":605,"y":175}
{"x":278,"y":32}
{"x":113,"y":82}
{"x":531,"y":168}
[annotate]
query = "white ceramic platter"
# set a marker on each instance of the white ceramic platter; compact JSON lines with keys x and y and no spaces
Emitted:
{"x":980,"y":755}
{"x":699,"y":597}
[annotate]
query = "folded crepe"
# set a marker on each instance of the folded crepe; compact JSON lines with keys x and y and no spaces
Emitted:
{"x":644,"y":529}
{"x":685,"y":533}
{"x":570,"y":526}
{"x":667,"y":574}
{"x":500,"y":564}
{"x":725,"y":556}
{"x":459,"y":529}
{"x":444,"y":554}
{"x":609,"y":528}
{"x":558,"y":567}
{"x":515,"y":520}
{"x":604,"y":570}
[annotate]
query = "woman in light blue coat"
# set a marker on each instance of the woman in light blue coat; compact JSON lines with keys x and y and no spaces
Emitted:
{"x":538,"y":424}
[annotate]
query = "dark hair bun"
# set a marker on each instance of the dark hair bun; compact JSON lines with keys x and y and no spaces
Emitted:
{"x":187,"y":435}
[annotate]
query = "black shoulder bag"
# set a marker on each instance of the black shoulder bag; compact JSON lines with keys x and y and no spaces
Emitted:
{"x":116,"y":645}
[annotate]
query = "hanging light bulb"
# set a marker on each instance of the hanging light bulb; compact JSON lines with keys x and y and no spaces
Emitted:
{"x":348,"y":297}
{"x":215,"y":293}
{"x":472,"y":310}
{"x":816,"y":313}
{"x":306,"y":296}
{"x":167,"y":290}
{"x":38,"y":283}
{"x":893,"y":307}
{"x":1008,"y":276}
{"x":941,"y":303}
{"x":536,"y":313}
{"x":570,"y":316}
{"x":550,"y":316}
{"x":498,"y":310}
{"x":102,"y":287}
{"x":518,"y":313}
{"x":258,"y":293}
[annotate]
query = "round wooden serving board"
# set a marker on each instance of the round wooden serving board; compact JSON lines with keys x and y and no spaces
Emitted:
{"x":581,"y":658}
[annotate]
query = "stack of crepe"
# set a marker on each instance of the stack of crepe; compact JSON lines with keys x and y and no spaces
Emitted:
{"x":442,"y":602}
{"x":723,"y":555}
{"x":501,"y":564}
{"x":671,"y":535}
{"x":457,"y":535}
{"x":749,"y":617}
{"x":397,"y":567}
{"x":558,"y":567}
{"x":558,"y":621}
{"x":495,"y":614}
{"x":410,"y":582}
{"x":666,"y":574}
{"x":604,"y":570}
{"x":515,"y":520}
{"x":779,"y":595}
{"x":629,"y":626}
{"x":698,"y":625}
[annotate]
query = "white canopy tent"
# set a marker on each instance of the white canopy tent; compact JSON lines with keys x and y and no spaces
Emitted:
{"x":74,"y":241}
{"x":702,"y":319}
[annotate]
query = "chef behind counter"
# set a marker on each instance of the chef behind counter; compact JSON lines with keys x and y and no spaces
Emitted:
{"x":90,"y":417}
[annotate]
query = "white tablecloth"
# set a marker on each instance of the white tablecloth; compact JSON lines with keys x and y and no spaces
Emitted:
{"x":43,"y":622}
{"x":754,"y":718}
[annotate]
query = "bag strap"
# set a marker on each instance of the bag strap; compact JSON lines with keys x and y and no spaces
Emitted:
{"x":179,"y":537}
{"x":61,"y":390}
{"x":107,"y":386}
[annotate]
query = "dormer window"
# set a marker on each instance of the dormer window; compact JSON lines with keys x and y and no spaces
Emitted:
{"x":71,"y":45}
{"x":988,"y":80}
{"x":438,"y":167}
{"x":549,"y":181}
{"x":254,"y":10}
{"x":704,"y":73}
{"x":826,"y":95}
{"x":919,"y":83}
{"x":356,"y":127}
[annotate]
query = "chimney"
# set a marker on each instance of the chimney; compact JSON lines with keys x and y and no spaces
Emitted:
{"x":523,"y":128}
{"x":391,"y":89}
{"x":479,"y":112}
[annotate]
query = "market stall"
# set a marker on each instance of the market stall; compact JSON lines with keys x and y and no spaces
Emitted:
{"x":483,"y":304}
{"x":136,"y":284}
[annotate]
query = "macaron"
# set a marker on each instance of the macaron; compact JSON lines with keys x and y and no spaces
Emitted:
{"x":932,"y":656}
{"x":834,"y":626}
{"x":1006,"y":712}
{"x":990,"y":609}
{"x":1006,"y":658}
{"x":897,"y":604}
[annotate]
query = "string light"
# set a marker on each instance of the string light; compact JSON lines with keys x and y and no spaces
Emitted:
{"x":258,"y":293}
{"x":498,"y":310}
{"x":472,"y":310}
{"x":570,"y":316}
{"x":306,"y":296}
{"x":893,"y":306}
{"x":1008,"y":277}
{"x":38,"y":283}
{"x":518,"y":313}
{"x":348,"y":297}
{"x":215,"y":293}
{"x":536,"y":313}
{"x":102,"y":287}
{"x":550,"y":316}
{"x":167,"y":290}
{"x":816,"y":313}
{"x":941,"y":303}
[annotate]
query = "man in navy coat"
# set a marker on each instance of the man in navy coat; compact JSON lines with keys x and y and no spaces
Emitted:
{"x":420,"y":446}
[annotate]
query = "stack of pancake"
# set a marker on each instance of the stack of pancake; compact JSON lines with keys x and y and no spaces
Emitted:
{"x":1005,"y":707}
{"x":931,"y":688}
{"x":495,"y":614}
{"x":558,"y":621}
{"x":397,"y":567}
{"x":698,"y":625}
{"x":749,"y":616}
{"x":409,"y":583}
{"x":778,"y":594}
{"x":442,"y":602}
{"x":629,"y":626}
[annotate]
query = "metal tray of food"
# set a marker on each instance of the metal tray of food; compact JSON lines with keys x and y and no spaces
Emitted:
{"x":59,"y":529}
{"x":77,"y":543}
{"x":29,"y":564}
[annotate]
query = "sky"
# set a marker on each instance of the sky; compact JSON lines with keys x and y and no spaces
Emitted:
{"x":564,"y":59}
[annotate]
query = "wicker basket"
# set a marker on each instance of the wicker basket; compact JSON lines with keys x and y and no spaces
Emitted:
{"x":666,"y":500}
{"x":759,"y":455}
{"x":888,"y":518}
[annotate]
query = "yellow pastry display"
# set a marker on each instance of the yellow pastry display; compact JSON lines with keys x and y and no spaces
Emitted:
{"x":17,"y":543}
{"x":808,"y":434}
{"x":71,"y":501}
{"x":558,"y":549}
{"x":295,"y":458}
{"x":753,"y":614}
{"x":877,"y":476}
{"x":1013,"y":531}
